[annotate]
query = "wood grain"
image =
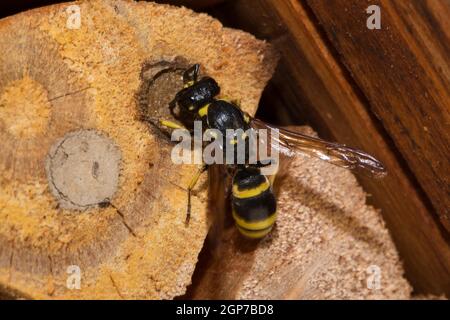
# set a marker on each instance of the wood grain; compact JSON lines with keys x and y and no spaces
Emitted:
{"x":311,"y":85}
{"x":403,"y":70}
{"x":194,"y":4}
{"x":55,"y":80}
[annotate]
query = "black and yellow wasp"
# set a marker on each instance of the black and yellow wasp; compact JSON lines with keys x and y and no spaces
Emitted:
{"x":253,"y":201}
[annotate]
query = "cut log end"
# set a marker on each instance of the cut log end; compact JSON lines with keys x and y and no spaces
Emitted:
{"x":91,"y":205}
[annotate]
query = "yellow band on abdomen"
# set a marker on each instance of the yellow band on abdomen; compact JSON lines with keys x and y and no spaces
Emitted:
{"x":248,"y":193}
{"x":255,"y":225}
{"x":254,"y":234}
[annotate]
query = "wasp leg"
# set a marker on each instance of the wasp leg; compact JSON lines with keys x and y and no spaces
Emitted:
{"x":190,"y":187}
{"x":171,"y":124}
{"x":174,"y":125}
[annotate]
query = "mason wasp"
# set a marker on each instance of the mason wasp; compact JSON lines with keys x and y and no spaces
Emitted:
{"x":253,"y":201}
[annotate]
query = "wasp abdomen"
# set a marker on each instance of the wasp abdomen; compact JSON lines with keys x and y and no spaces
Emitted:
{"x":253,"y":202}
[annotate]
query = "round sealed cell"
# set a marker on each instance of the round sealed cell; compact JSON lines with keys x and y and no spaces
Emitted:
{"x":83,"y":169}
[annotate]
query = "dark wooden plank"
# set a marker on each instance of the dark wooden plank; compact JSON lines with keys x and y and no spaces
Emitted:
{"x":193,"y":4}
{"x":311,"y":85}
{"x":403,"y":70}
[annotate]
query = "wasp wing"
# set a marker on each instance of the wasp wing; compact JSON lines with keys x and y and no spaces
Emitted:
{"x":292,"y":144}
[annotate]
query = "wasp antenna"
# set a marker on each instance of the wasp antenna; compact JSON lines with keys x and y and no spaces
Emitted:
{"x":191,"y":74}
{"x":196,"y":71}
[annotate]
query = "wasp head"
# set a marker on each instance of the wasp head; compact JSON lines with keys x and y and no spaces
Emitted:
{"x":196,"y":93}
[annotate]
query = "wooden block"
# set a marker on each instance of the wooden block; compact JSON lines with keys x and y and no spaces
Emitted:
{"x":404,"y":71}
{"x":312,"y":85}
{"x":67,"y":93}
